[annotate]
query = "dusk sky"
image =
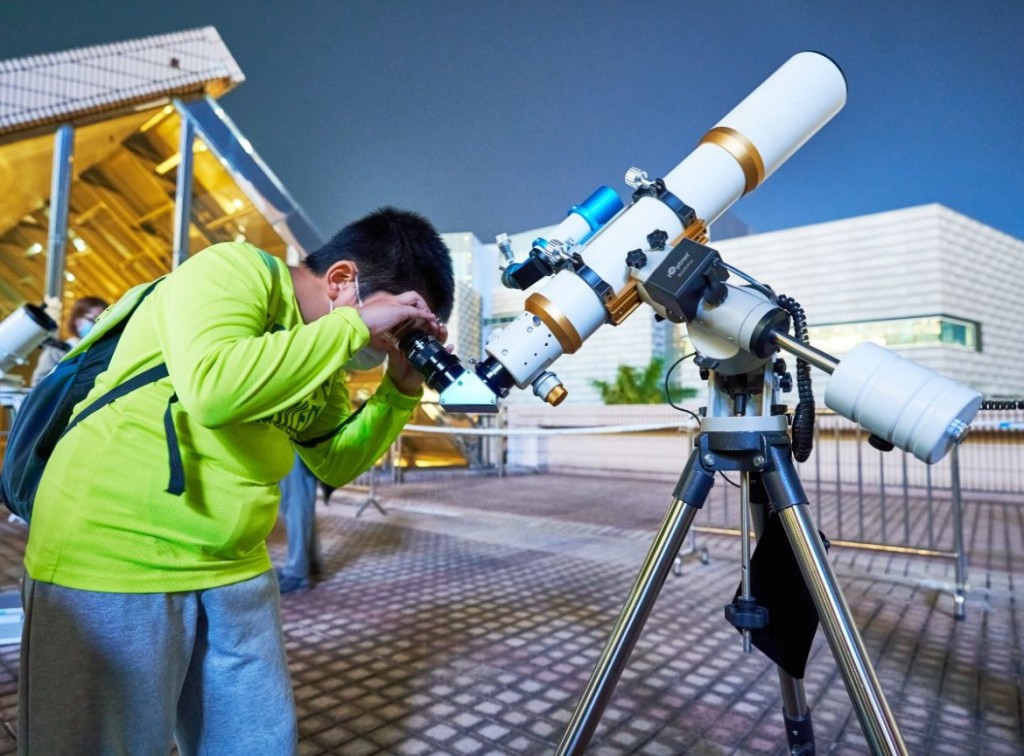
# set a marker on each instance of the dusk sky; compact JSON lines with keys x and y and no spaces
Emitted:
{"x":498,"y":116}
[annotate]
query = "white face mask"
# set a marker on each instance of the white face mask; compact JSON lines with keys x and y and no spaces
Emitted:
{"x":368,"y":357}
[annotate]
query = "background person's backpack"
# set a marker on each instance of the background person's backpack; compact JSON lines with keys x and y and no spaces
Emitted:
{"x":44,"y":414}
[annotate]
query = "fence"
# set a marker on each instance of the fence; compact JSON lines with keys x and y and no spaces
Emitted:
{"x":860,"y":497}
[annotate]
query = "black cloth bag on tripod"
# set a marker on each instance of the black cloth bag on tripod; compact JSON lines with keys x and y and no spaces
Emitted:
{"x":776,"y":584}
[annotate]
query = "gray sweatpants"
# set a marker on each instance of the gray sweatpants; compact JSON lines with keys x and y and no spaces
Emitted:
{"x":117,"y":673}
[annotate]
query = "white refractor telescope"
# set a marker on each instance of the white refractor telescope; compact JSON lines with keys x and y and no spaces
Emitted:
{"x":21,"y":332}
{"x":606,"y":261}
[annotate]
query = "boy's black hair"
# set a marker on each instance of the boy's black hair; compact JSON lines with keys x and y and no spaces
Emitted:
{"x":395,"y":251}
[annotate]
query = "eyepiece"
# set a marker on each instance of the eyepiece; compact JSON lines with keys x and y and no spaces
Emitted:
{"x":439,"y":368}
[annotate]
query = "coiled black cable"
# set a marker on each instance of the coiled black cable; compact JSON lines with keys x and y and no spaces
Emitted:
{"x":803,"y":416}
{"x":1003,"y":404}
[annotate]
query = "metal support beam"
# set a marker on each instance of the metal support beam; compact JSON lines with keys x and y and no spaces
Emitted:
{"x":183,"y":189}
{"x":60,"y":196}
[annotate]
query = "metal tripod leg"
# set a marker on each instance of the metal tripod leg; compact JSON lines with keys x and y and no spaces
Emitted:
{"x":876,"y":718}
{"x":695,"y":484}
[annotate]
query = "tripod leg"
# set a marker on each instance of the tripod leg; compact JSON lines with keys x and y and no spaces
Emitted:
{"x":796,"y":714}
{"x":628,"y":627}
{"x":876,"y":718}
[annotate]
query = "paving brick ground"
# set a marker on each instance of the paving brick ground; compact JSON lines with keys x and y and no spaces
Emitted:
{"x":468,"y":619}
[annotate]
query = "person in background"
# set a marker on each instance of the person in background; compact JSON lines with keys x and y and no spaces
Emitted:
{"x":298,"y":508}
{"x":77,"y":325}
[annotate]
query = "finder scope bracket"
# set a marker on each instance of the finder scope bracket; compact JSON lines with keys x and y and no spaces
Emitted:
{"x":643,"y":187}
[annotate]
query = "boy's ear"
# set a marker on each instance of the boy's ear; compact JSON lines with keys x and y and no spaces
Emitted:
{"x":339,"y":274}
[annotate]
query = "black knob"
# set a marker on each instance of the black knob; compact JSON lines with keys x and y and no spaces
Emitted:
{"x":636,"y":259}
{"x":715,"y":293}
{"x":657,"y":238}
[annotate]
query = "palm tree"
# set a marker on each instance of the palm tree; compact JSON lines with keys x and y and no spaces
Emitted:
{"x":633,"y":385}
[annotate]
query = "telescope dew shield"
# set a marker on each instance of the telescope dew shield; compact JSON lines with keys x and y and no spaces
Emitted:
{"x":761,"y":133}
{"x":21,"y":332}
{"x":750,"y":143}
{"x":907,"y":404}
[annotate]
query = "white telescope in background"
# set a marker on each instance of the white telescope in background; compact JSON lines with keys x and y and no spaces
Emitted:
{"x":21,"y":332}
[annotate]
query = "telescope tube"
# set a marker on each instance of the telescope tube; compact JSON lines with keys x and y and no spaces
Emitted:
{"x":734,"y":157}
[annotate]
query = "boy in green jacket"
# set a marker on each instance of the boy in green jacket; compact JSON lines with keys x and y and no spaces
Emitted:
{"x":153,"y":615}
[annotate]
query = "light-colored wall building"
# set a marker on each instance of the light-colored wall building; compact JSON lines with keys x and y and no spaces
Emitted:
{"x":927,"y":282}
{"x":933,"y":285}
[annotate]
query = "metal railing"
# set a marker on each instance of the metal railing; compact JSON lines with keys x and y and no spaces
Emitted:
{"x":860,"y":497}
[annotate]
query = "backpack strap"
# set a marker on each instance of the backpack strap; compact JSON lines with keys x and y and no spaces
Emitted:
{"x":275,"y":284}
{"x":144,"y":378}
{"x":176,"y":482}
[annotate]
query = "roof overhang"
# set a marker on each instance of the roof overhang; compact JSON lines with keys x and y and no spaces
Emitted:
{"x":77,"y":86}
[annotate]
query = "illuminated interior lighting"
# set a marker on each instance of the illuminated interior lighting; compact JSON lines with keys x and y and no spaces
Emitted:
{"x":33,"y":250}
{"x":79,"y":243}
{"x":156,"y":118}
{"x":169,"y":164}
{"x":69,"y":276}
{"x":238,"y":204}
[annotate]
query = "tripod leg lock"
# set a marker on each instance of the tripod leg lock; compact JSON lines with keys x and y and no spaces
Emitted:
{"x":800,"y":734}
{"x":745,"y":614}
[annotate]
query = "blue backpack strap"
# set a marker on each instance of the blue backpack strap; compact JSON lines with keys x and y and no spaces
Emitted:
{"x":176,"y":482}
{"x":138,"y":381}
{"x":275,"y":285}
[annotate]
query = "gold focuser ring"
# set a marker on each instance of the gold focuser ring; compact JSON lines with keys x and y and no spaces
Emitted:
{"x":559,"y":325}
{"x":742,"y":149}
{"x":557,"y":395}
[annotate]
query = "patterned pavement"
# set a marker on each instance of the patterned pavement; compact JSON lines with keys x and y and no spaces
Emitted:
{"x":468,"y":619}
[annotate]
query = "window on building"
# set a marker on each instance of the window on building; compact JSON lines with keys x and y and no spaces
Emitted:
{"x":902,"y":333}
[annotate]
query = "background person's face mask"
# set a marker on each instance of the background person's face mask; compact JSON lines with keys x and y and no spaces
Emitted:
{"x":84,"y":326}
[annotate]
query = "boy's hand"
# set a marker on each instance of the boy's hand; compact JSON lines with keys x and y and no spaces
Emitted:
{"x":382,"y":312}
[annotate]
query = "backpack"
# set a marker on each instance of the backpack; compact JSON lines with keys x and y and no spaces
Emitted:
{"x":45,"y":415}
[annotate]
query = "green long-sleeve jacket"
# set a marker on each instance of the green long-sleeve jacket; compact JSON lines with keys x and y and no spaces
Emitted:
{"x":252,"y":380}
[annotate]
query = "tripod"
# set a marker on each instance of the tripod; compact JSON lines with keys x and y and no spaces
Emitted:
{"x":743,"y":436}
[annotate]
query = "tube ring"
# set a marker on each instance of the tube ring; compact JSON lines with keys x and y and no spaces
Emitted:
{"x":743,"y":150}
